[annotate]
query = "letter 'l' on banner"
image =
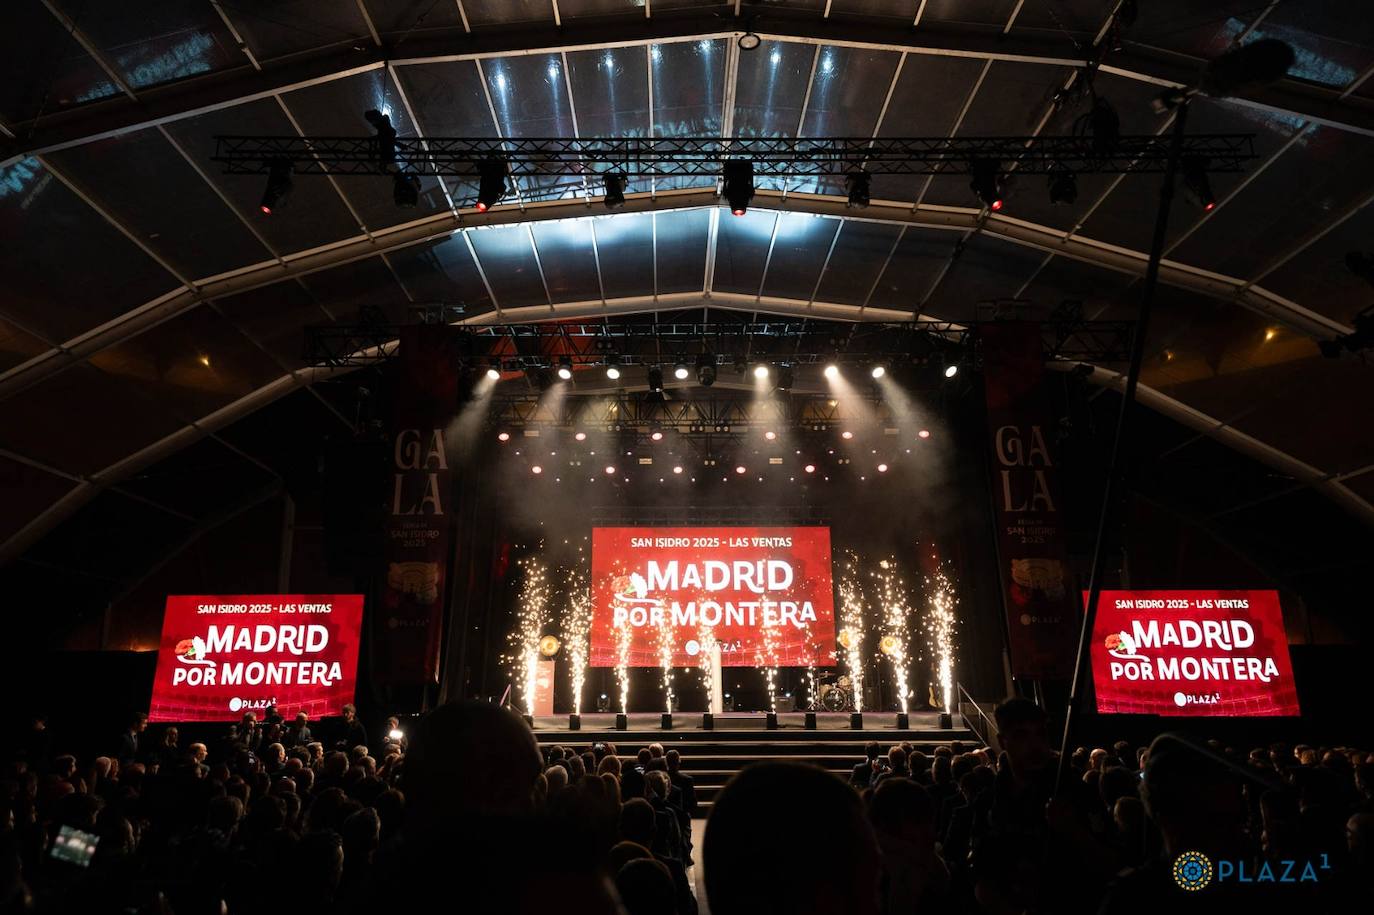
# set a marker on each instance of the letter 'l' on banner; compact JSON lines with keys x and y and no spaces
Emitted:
{"x":407,"y":626}
{"x":1042,"y":612}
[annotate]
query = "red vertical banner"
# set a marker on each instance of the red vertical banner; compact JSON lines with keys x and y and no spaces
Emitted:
{"x":418,"y":520}
{"x":1042,"y":614}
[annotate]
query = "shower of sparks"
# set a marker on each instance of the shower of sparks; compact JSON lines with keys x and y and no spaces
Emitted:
{"x":767,"y":659}
{"x":664,"y":644}
{"x":939,"y":626}
{"x":622,"y":664}
{"x":577,"y":623}
{"x":706,"y":638}
{"x":811,"y":686}
{"x":530,"y":617}
{"x":852,"y":621}
{"x":891,"y":596}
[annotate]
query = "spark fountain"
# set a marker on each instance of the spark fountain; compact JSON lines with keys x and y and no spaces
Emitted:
{"x":939,"y":626}
{"x":576,"y":629}
{"x":530,"y":619}
{"x":891,"y":595}
{"x":852,"y":631}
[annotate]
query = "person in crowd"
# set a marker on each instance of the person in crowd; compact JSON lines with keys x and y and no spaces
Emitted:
{"x":352,"y":733}
{"x":684,"y":783}
{"x":915,"y":879}
{"x":169,"y":749}
{"x":864,"y":772}
{"x":298,"y":732}
{"x":639,"y":825}
{"x":129,"y":738}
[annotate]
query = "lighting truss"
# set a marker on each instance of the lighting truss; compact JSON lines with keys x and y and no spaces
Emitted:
{"x":785,"y":341}
{"x":723,"y":418}
{"x":667,"y":157}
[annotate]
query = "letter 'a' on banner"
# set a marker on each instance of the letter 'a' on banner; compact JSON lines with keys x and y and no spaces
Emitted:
{"x":1042,"y":612}
{"x":408,"y":622}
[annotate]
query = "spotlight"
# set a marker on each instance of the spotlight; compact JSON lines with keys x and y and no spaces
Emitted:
{"x":786,"y":377}
{"x":615,"y":192}
{"x":770,"y":435}
{"x":613,"y":368}
{"x":748,"y":41}
{"x":832,"y":371}
{"x":987,"y":182}
{"x":951,"y":370}
{"x":494,"y":371}
{"x":610,"y":470}
{"x":681,"y":371}
{"x":677,"y":468}
{"x":503,"y":436}
{"x":706,"y":370}
{"x":492,"y":183}
{"x":384,"y":143}
{"x":580,"y":436}
{"x":858,"y":184}
{"x":846,"y":435}
{"x":924,"y":433}
{"x":656,"y":381}
{"x":279,"y":185}
{"x":1197,"y":185}
{"x":536,"y":469}
{"x":405,"y":190}
{"x":741,"y":469}
{"x":760,"y":372}
{"x":565,"y":369}
{"x":656,"y":435}
{"x":1063,"y":188}
{"x":878,"y":370}
{"x":739,"y":185}
{"x":882,"y":468}
{"x":810,"y":468}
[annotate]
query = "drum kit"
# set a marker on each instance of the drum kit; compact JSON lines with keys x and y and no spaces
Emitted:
{"x":835,"y":694}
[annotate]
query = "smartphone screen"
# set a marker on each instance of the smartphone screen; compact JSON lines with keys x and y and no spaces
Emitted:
{"x":74,"y":846}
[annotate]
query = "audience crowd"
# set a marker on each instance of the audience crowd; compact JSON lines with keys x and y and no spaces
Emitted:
{"x":465,"y":812}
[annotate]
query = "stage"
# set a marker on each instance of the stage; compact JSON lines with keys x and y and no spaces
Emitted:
{"x":638,"y":723}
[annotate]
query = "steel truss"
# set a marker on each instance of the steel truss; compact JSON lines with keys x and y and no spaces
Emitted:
{"x":666,"y":157}
{"x":520,"y":347}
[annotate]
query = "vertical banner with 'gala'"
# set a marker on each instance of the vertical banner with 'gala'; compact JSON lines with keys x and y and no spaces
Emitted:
{"x":418,"y":530}
{"x":1042,"y":614}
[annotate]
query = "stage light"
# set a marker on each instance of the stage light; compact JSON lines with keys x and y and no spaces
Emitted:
{"x":610,"y":471}
{"x":810,"y":468}
{"x":786,"y":377}
{"x":565,"y":372}
{"x":405,"y":191}
{"x":491,"y":184}
{"x":677,"y":469}
{"x":613,"y":368}
{"x":656,"y":435}
{"x":1270,"y":334}
{"x":1196,"y":183}
{"x":857,"y":184}
{"x":739,"y":185}
{"x":882,"y":468}
{"x":878,"y":370}
{"x":741,"y":469}
{"x":503,"y":436}
{"x":832,"y":371}
{"x":494,"y":373}
{"x":951,"y":370}
{"x":846,"y":435}
{"x":580,"y":436}
{"x":748,"y":41}
{"x":760,"y":372}
{"x":680,"y":372}
{"x":770,"y":435}
{"x":384,"y":143}
{"x":924,"y":433}
{"x":615,"y":192}
{"x":656,"y":379}
{"x":1063,"y":188}
{"x":548,"y":646}
{"x":706,"y":370}
{"x":536,"y":469}
{"x":278,"y":190}
{"x":987,"y":182}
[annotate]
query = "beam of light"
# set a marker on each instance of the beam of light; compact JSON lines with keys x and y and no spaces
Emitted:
{"x":706,"y":638}
{"x":577,"y":624}
{"x":664,"y":643}
{"x":531,"y":614}
{"x":461,"y":435}
{"x":891,"y":596}
{"x":939,"y":625}
{"x":852,"y":631}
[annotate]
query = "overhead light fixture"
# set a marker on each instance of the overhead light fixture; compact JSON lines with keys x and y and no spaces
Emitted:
{"x":615,"y":192}
{"x":656,"y":379}
{"x":951,"y":370}
{"x":503,"y":436}
{"x":1063,"y":188}
{"x":405,"y":190}
{"x":491,"y":185}
{"x":384,"y":143}
{"x":681,"y":372}
{"x":786,"y":377}
{"x":858,"y":184}
{"x":878,"y":371}
{"x":494,"y":370}
{"x":706,"y":369}
{"x":987,"y":182}
{"x":748,"y":41}
{"x":1196,"y":183}
{"x":760,"y":372}
{"x":613,"y":368}
{"x":278,"y":190}
{"x":565,"y":368}
{"x":832,"y":371}
{"x":739,"y":185}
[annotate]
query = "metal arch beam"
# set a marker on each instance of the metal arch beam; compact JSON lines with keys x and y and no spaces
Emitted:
{"x":84,"y":492}
{"x":197,"y":95}
{"x":441,"y":225}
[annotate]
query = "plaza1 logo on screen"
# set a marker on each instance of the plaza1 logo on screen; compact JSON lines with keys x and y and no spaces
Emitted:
{"x":223,"y":655}
{"x":763,"y":594}
{"x":1218,"y":653}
